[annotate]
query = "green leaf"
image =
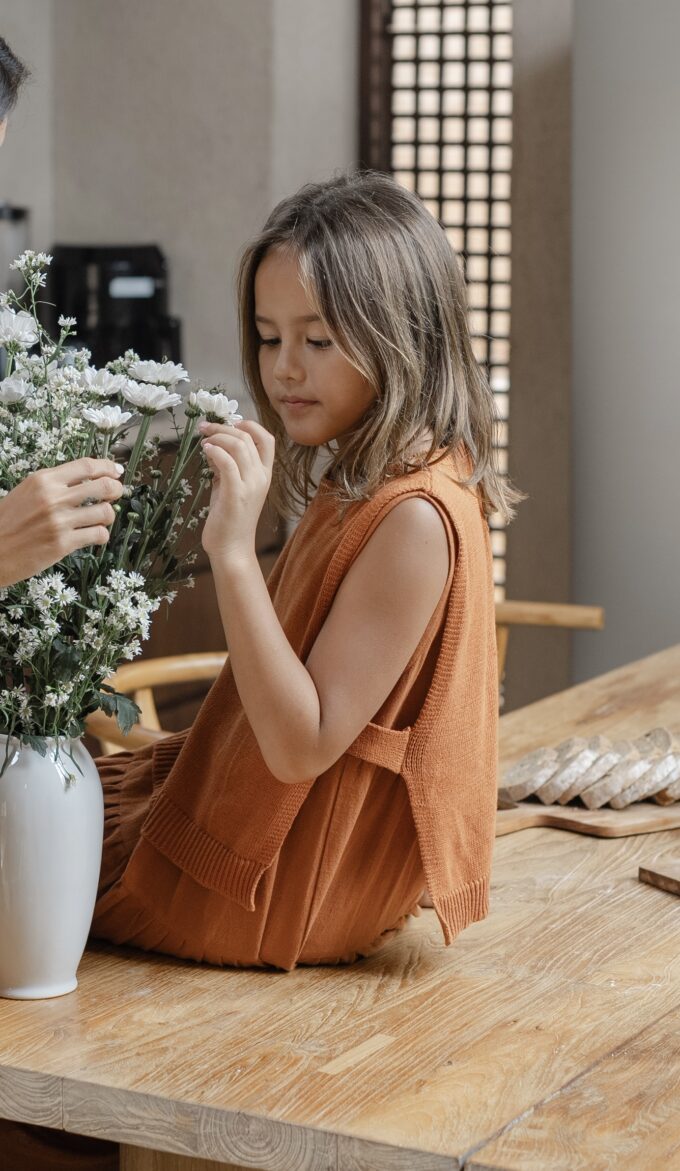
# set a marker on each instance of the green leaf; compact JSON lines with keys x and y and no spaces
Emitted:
{"x":65,"y":657}
{"x":37,"y":743}
{"x":108,"y":704}
{"x":126,"y":711}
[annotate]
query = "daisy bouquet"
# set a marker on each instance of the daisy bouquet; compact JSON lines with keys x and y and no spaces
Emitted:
{"x":64,"y":631}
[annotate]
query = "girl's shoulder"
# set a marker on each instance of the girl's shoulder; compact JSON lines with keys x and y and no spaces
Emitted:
{"x":440,"y":480}
{"x":443,"y":476}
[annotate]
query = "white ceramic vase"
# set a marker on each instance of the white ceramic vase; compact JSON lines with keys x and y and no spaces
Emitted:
{"x":51,"y":831}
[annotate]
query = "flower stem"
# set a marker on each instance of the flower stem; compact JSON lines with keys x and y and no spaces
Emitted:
{"x":137,"y":449}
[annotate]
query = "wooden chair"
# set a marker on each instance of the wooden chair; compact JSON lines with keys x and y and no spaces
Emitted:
{"x":139,"y":679}
{"x":558,"y":614}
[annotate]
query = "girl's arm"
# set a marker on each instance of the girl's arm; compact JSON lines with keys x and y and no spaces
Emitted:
{"x":306,"y":715}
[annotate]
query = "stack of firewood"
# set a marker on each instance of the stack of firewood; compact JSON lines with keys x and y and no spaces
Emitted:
{"x":600,"y":771}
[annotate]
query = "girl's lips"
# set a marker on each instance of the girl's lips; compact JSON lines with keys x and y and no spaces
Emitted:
{"x":298,"y":403}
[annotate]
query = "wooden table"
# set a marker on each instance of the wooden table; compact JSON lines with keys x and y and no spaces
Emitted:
{"x":547,"y":1037}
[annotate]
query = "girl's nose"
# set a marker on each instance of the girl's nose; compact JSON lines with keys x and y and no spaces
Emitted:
{"x":287,"y":367}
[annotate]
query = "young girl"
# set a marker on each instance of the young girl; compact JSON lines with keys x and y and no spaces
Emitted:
{"x":346,"y":756}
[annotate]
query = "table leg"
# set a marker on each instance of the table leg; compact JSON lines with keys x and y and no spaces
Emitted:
{"x":141,"y":1159}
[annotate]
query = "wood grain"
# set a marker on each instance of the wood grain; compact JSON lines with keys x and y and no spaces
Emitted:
{"x":357,"y":1053}
{"x":28,"y":1096}
{"x":623,"y":704}
{"x":666,"y":876}
{"x":138,"y":1159}
{"x":351,"y":1156}
{"x":229,"y":1137}
{"x":563,"y":614}
{"x":624,"y":1112}
{"x":576,"y":959}
{"x":643,"y":818}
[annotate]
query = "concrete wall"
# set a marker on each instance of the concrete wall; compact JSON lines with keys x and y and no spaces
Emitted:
{"x":315,"y":91}
{"x":180,"y":124}
{"x":163,"y":133}
{"x":538,"y":551}
{"x":26,"y":171}
{"x":626,"y":395}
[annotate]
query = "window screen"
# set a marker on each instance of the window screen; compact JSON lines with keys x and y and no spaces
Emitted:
{"x":436,"y":112}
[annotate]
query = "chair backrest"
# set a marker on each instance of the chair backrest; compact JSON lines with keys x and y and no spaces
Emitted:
{"x":558,"y":614}
{"x":139,"y":679}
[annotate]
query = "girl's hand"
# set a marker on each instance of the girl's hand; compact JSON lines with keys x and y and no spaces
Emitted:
{"x":241,"y":458}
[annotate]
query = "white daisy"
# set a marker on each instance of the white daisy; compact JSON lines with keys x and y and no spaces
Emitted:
{"x":14,"y":390}
{"x":216,"y":406}
{"x":149,"y":399}
{"x":18,"y":328}
{"x":159,"y":373}
{"x":106,"y":418}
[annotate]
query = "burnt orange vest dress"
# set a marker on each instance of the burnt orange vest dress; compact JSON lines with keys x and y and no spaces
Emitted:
{"x":208,"y":857}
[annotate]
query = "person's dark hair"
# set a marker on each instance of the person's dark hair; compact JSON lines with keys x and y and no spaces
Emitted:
{"x":13,"y":73}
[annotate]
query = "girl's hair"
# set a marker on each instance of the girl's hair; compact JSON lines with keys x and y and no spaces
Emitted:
{"x":12,"y":73}
{"x":381,"y":274}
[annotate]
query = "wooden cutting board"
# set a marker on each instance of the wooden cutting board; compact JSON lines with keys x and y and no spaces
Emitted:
{"x":665,"y":875}
{"x":644,"y":817}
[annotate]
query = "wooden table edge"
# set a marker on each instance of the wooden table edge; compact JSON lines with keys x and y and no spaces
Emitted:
{"x":196,"y":1131}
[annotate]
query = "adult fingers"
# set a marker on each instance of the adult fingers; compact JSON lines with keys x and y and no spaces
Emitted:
{"x":88,"y":468}
{"x":102,"y":488}
{"x":94,"y":535}
{"x":93,"y":515}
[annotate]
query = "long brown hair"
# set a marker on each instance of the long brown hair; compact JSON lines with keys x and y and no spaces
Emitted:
{"x":386,"y":283}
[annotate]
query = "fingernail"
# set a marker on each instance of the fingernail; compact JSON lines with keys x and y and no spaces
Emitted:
{"x":119,"y":469}
{"x":203,"y":426}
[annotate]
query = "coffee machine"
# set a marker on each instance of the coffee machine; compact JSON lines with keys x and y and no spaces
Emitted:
{"x":119,"y":297}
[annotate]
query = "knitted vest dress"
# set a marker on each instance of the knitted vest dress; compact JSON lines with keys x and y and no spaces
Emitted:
{"x":208,"y":856}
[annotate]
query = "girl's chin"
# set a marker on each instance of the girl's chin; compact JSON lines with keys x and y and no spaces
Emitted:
{"x":307,"y":436}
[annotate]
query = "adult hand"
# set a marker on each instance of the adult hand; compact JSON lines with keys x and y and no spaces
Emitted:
{"x":46,"y":516}
{"x":241,"y":458}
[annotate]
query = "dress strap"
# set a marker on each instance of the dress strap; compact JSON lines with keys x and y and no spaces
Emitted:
{"x":385,"y":747}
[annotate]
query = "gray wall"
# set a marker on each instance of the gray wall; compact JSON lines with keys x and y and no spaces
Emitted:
{"x":315,"y":112}
{"x":26,"y":171}
{"x":179,"y":123}
{"x":626,"y":273}
{"x":538,"y":550}
{"x":163,"y":134}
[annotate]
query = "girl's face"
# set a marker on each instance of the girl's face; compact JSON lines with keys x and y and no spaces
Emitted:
{"x":316,"y":392}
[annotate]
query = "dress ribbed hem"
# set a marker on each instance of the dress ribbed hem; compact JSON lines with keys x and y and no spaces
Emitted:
{"x":461,"y":907}
{"x":201,"y":856}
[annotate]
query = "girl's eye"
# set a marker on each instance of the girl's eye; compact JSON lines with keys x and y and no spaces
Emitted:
{"x":318,"y":343}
